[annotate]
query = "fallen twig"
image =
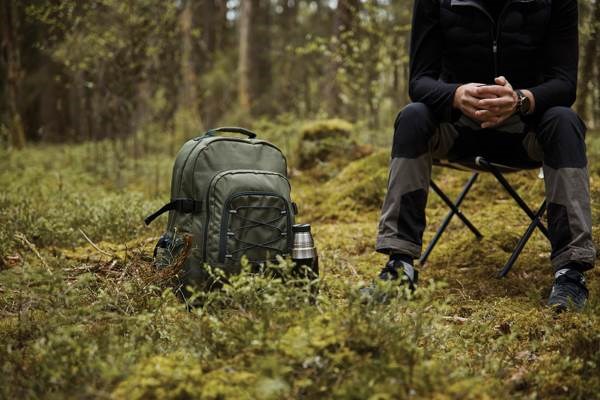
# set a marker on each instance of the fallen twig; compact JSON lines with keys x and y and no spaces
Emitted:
{"x":23,"y":239}
{"x":106,"y":253}
{"x":455,"y":318}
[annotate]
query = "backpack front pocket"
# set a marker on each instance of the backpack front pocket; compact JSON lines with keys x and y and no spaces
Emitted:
{"x":255,"y":224}
{"x":249,"y":214}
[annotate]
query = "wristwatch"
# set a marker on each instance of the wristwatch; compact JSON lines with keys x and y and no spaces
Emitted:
{"x":523,"y":103}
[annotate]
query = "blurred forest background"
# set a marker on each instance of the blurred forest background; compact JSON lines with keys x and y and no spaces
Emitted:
{"x":89,"y":70}
{"x":97,"y":96}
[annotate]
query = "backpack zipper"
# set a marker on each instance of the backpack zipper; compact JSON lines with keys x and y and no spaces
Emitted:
{"x":216,"y":139}
{"x":206,"y":222}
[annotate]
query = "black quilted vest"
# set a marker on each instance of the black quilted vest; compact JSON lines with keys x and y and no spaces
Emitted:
{"x":477,"y":48}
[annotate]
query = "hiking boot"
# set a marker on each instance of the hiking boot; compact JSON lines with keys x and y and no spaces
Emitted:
{"x":391,"y":272}
{"x":569,"y":291}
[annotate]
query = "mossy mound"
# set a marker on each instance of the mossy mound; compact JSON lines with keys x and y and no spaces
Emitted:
{"x":326,"y":145}
{"x":327,"y":128}
{"x":359,"y":187}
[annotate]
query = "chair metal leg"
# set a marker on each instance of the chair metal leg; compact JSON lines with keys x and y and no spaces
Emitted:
{"x":536,"y":221}
{"x":500,"y":178}
{"x":454,"y":210}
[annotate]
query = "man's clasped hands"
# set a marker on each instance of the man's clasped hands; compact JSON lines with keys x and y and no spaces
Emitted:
{"x":489,"y":104}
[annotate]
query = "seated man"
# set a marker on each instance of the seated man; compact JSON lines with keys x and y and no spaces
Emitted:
{"x":521,"y":56}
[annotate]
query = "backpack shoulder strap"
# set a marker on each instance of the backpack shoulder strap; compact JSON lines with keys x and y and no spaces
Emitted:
{"x":188,"y":206}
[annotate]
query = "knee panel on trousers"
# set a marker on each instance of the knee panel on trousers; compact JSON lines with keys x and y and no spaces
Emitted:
{"x":562,"y":136}
{"x":411,"y":218}
{"x":413,"y":128}
{"x":558,"y":227}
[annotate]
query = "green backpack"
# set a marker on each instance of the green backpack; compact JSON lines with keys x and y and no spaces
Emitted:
{"x":230,"y":197}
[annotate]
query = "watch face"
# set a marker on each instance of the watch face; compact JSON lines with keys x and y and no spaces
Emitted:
{"x":525,"y":105}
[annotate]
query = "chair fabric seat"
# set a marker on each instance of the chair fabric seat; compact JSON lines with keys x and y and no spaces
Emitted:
{"x":471,"y":164}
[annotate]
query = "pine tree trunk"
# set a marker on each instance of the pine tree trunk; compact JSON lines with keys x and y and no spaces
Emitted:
{"x":213,"y":22}
{"x":261,"y":53}
{"x":221,"y":25}
{"x":590,"y":58}
{"x":11,"y":58}
{"x":343,"y":22}
{"x":244,"y":66}
{"x":189,"y":116}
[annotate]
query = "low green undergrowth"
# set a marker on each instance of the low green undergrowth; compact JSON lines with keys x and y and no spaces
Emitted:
{"x":90,"y":318}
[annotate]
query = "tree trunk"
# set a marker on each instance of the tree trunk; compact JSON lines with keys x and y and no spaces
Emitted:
{"x":343,"y":22}
{"x":221,"y":24}
{"x":213,"y":22}
{"x":189,"y":117}
{"x":245,"y":32}
{"x":12,"y":60}
{"x":209,"y":23}
{"x":590,"y":58}
{"x":261,"y":54}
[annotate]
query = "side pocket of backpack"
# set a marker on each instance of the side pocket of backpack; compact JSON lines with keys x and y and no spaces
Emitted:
{"x":168,"y":249}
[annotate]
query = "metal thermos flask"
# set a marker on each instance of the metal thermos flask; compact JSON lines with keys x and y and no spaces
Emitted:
{"x":304,"y":252}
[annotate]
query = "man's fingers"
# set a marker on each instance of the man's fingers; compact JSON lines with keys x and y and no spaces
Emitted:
{"x":496,"y":90}
{"x":473,"y":91}
{"x":498,"y":102}
{"x":501,"y":80}
{"x":487,"y":116}
{"x":491,"y":124}
{"x":470,"y":90}
{"x":471,"y":112}
{"x":471,"y":101}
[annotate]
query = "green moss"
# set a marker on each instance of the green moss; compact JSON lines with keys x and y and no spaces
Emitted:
{"x":324,"y":129}
{"x":163,"y":377}
{"x":178,"y":376}
{"x":75,"y":324}
{"x":359,"y":187}
{"x":325,"y":146}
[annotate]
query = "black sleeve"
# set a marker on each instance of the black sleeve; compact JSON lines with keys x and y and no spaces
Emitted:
{"x":426,"y":44}
{"x":561,"y":54}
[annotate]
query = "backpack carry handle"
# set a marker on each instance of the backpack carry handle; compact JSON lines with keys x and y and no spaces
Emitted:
{"x":232,"y":129}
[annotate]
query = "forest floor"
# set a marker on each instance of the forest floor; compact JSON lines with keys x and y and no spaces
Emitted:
{"x":96,"y":321}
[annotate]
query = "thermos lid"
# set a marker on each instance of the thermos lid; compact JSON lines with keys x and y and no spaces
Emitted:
{"x":301,"y":228}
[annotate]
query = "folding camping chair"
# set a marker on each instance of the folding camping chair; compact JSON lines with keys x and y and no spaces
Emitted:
{"x":477,"y":165}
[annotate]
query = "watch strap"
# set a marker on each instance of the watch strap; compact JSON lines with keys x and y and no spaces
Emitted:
{"x":521,"y":101}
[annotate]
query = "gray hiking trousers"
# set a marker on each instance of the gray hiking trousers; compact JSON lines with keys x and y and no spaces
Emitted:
{"x":557,"y":138}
